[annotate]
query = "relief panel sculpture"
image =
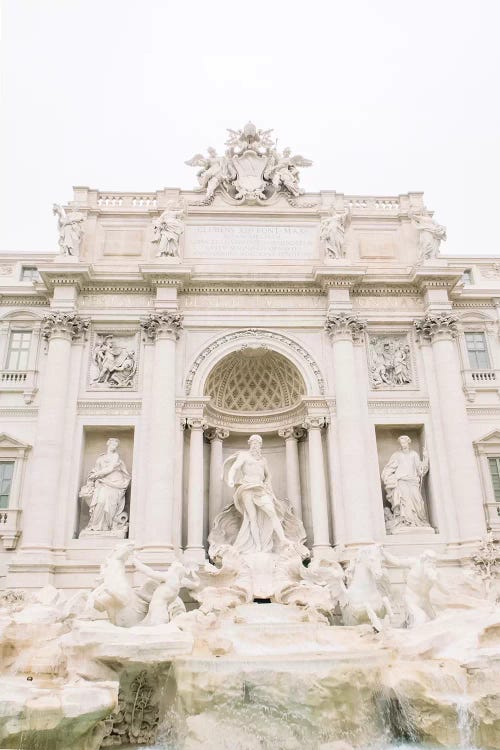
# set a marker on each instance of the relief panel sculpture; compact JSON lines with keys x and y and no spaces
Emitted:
{"x":113,"y":361}
{"x":389,"y":362}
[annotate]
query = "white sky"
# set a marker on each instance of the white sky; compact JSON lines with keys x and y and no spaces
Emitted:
{"x":385,"y":97}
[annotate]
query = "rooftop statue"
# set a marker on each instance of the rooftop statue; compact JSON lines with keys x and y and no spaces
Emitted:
{"x":251,"y":170}
{"x":430,"y":234}
{"x":70,"y":230}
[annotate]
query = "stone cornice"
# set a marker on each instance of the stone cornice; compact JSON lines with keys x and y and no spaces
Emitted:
{"x":64,"y":274}
{"x":340,"y":278}
{"x":166,"y":276}
{"x":425,"y":278}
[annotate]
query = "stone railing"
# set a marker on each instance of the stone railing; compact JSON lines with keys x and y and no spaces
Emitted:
{"x":127,"y":200}
{"x":372,"y":204}
{"x":19,"y":380}
{"x":480,"y":380}
{"x":10,"y":520}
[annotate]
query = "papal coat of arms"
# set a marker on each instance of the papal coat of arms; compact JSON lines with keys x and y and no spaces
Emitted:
{"x":251,"y":170}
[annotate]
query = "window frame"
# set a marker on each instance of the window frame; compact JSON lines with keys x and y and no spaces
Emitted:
{"x":14,"y":330}
{"x":470,"y":352}
{"x":8,"y":495}
{"x":35,"y":277}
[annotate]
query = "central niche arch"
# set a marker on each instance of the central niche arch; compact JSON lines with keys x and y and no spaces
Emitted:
{"x":254,"y":379}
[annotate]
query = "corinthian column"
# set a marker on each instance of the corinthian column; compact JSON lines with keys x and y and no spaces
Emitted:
{"x":58,"y":329}
{"x":344,"y":329}
{"x":215,"y":435}
{"x":317,"y":483}
{"x":441,"y":329}
{"x":163,"y":328}
{"x":292,"y":435}
{"x":196,"y":485}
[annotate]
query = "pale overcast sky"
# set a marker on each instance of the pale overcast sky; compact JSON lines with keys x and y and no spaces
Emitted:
{"x":385,"y":97}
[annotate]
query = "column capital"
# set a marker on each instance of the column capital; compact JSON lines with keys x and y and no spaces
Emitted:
{"x":344,"y":325}
{"x":216,"y":433}
{"x":435,"y":326}
{"x":291,"y":433}
{"x":314,"y":423}
{"x":196,"y":423}
{"x":64,"y":325}
{"x":164,"y":325}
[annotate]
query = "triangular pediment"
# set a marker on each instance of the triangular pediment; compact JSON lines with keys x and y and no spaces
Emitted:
{"x":490,"y":438}
{"x":8,"y":442}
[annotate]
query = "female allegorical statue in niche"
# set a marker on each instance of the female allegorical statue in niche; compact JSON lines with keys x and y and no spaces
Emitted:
{"x":104,"y":492}
{"x":402,"y":477}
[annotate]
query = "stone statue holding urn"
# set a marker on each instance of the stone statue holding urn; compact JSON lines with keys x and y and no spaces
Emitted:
{"x":104,"y":492}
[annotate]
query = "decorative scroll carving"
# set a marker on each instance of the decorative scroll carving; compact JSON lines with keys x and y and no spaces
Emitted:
{"x":254,"y":333}
{"x":57,"y":323}
{"x":389,"y":361}
{"x":345,"y":324}
{"x":251,"y":170}
{"x":216,"y":433}
{"x":169,"y":323}
{"x":287,"y":433}
{"x":437,"y":324}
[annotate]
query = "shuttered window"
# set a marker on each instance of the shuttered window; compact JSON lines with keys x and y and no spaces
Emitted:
{"x":6,"y":474}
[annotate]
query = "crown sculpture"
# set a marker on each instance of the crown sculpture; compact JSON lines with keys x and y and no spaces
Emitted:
{"x":252,"y":170}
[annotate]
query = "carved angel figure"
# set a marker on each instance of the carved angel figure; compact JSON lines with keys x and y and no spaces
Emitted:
{"x":167,"y":230}
{"x":116,"y":365}
{"x":283,"y":171}
{"x":332,"y":233}
{"x":430,"y":234}
{"x":215,"y":170}
{"x":70,"y":229}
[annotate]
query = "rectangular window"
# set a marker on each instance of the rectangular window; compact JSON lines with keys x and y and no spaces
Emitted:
{"x":29,"y":273}
{"x":6,"y":474}
{"x":478,"y":352}
{"x":19,"y":350}
{"x":495,"y":476}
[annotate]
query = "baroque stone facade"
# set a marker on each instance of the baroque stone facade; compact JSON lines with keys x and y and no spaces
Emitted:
{"x":328,"y":324}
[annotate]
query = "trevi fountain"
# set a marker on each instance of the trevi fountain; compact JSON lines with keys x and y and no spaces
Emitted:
{"x":249,"y":471}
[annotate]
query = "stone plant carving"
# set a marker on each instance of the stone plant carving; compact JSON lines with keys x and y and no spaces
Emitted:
{"x":168,"y":229}
{"x":390,"y":364}
{"x":256,"y":520}
{"x":486,"y":561}
{"x":70,"y":230}
{"x":332,"y":233}
{"x":430,"y":234}
{"x":116,"y":365}
{"x":402,"y":477}
{"x":104,"y":492}
{"x":137,"y":717}
{"x":251,"y":170}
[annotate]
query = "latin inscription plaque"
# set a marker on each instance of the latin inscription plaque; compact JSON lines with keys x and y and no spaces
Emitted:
{"x":297,"y":242}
